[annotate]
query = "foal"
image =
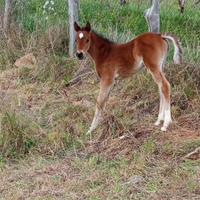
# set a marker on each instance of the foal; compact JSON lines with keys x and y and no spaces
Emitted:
{"x":121,"y":60}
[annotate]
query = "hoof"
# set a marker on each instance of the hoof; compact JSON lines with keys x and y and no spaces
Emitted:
{"x":88,"y":133}
{"x":157,"y":123}
{"x":164,"y":128}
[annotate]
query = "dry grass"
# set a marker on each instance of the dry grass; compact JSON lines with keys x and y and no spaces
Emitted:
{"x":45,"y":153}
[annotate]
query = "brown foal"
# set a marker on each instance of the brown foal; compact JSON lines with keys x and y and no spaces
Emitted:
{"x":121,"y":60}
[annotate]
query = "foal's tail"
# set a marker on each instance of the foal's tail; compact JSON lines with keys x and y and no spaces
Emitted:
{"x":178,"y":52}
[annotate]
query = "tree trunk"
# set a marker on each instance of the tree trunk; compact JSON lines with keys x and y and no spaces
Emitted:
{"x":152,"y":16}
{"x":73,"y":17}
{"x":7,"y":15}
{"x":85,"y":66}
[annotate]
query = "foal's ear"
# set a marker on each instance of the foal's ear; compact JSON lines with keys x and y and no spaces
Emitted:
{"x":76,"y":27}
{"x":88,"y":27}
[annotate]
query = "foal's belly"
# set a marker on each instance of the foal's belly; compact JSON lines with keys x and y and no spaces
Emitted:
{"x":127,"y":71}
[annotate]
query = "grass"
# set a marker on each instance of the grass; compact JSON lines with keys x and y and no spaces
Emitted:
{"x":95,"y":177}
{"x":18,"y":134}
{"x":44,"y":150}
{"x":126,"y":22}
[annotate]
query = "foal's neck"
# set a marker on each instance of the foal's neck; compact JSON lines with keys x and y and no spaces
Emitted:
{"x":98,"y":46}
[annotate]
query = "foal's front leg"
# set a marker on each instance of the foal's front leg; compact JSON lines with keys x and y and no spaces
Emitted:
{"x":105,"y":87}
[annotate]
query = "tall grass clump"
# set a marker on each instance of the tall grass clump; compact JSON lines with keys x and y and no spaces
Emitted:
{"x":18,"y":134}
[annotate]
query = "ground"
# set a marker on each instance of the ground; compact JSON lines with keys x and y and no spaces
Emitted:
{"x":47,"y":155}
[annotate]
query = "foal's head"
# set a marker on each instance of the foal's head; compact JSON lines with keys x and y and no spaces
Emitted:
{"x":82,"y":39}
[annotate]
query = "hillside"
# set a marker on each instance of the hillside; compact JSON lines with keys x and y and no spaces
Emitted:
{"x":44,"y":150}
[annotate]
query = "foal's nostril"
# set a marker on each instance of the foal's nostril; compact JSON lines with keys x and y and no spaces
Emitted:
{"x":79,"y":55}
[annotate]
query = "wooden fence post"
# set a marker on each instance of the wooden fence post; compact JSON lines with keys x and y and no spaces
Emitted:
{"x":152,"y":16}
{"x":7,"y":15}
{"x":73,"y":16}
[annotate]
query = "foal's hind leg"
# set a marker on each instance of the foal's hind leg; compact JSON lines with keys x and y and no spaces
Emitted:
{"x":164,"y":88}
{"x":106,"y":85}
{"x":161,"y":114}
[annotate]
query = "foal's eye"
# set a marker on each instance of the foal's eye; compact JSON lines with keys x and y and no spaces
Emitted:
{"x":87,"y":40}
{"x":75,"y":40}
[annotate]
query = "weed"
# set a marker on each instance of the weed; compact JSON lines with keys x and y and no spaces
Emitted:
{"x":2,"y":164}
{"x":17,"y":134}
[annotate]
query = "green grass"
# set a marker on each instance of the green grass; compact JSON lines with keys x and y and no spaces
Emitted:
{"x":18,"y":134}
{"x":117,"y":21}
{"x":30,"y":15}
{"x":120,"y":24}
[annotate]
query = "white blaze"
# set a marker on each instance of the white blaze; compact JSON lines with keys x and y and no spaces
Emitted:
{"x":81,"y":35}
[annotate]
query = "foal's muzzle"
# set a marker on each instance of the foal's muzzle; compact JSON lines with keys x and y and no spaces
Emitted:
{"x":79,"y":55}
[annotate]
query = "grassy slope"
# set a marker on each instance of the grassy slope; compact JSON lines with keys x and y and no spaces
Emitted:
{"x":45,"y":153}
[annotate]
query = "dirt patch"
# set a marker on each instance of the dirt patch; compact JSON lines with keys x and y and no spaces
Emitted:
{"x":48,"y":181}
{"x":186,"y":127}
{"x":115,"y":148}
{"x":114,"y":140}
{"x":183,"y":134}
{"x":126,"y":141}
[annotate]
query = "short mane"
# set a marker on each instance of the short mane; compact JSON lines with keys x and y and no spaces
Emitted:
{"x":100,"y":35}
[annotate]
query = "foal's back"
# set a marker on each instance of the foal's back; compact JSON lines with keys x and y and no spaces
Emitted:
{"x":148,"y":49}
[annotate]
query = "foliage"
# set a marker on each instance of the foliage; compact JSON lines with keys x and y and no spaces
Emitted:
{"x":18,"y":135}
